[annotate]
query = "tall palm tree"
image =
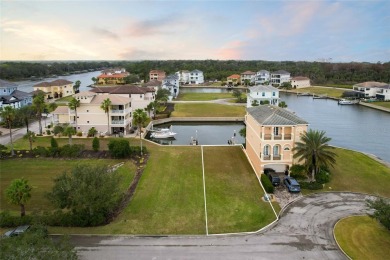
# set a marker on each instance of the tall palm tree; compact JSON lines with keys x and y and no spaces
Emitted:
{"x":315,"y":150}
{"x":39,"y":106}
{"x":74,"y":104}
{"x":106,"y":104}
{"x":30,"y":136}
{"x":149,"y":107}
{"x":69,"y":131}
{"x":76,"y":86}
{"x":8,"y":115}
{"x":139,"y":118}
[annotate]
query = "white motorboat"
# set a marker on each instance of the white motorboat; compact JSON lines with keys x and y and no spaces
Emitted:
{"x":163,"y":133}
{"x":347,"y":102}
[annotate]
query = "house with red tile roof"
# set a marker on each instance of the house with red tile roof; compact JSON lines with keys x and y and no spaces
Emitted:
{"x":233,"y":80}
{"x":112,"y":77}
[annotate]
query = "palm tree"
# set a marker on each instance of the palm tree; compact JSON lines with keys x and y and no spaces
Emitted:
{"x":69,"y":131}
{"x":149,"y":107}
{"x":74,"y":104}
{"x":39,"y":106}
{"x":8,"y":115}
{"x":30,"y":136}
{"x":283,"y":104}
{"x":314,"y":148}
{"x":76,"y":86}
{"x":106,"y":104}
{"x":18,"y":193}
{"x":139,"y":118}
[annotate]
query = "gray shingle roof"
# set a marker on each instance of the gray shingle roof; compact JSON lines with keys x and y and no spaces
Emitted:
{"x":273,"y":115}
{"x":196,"y":71}
{"x":281,"y":72}
{"x":261,"y":88}
{"x":7,"y":84}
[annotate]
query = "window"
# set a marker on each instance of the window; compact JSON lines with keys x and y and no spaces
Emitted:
{"x":273,"y":94}
{"x":87,"y":111}
{"x":87,"y":122}
{"x":276,"y":150}
{"x":266,"y":150}
{"x":287,"y":148}
{"x":263,"y":94}
{"x":276,"y":131}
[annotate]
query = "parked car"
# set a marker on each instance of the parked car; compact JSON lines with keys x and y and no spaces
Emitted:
{"x":291,"y":184}
{"x":273,"y":176}
{"x":17,"y":231}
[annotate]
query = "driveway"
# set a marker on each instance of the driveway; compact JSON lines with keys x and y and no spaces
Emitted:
{"x":304,"y":231}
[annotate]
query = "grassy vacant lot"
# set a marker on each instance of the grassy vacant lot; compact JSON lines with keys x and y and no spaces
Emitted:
{"x":203,"y":96}
{"x":40,"y":174}
{"x":208,"y":110}
{"x":359,"y":173}
{"x":382,"y":104}
{"x":331,"y":92}
{"x":233,"y":192}
{"x":361,"y":237}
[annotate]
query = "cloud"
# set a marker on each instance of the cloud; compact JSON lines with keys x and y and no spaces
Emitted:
{"x":165,"y":25}
{"x":104,"y":33}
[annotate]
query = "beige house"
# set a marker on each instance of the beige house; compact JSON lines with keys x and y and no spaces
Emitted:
{"x":55,"y":89}
{"x":300,"y":82}
{"x":90,"y":114}
{"x":271,"y":134}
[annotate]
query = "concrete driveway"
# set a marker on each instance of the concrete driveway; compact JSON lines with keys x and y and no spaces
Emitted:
{"x":304,"y":231}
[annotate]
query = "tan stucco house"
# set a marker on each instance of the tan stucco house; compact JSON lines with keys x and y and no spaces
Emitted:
{"x":55,"y":89}
{"x":300,"y":82}
{"x":271,"y":134}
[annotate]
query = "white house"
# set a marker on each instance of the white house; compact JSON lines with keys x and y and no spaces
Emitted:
{"x":184,"y":76}
{"x":248,"y":76}
{"x":300,"y":82}
{"x":171,"y":82}
{"x":196,"y":77}
{"x":11,"y":96}
{"x":370,"y":88}
{"x":262,"y":77}
{"x":260,"y":93}
{"x":383,"y":93}
{"x":279,"y":77}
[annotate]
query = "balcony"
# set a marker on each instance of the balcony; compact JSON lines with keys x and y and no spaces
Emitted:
{"x":266,"y":157}
{"x":117,"y":122}
{"x":277,"y":137}
{"x":117,"y":111}
{"x":276,"y":157}
{"x":267,"y":137}
{"x":287,"y":137}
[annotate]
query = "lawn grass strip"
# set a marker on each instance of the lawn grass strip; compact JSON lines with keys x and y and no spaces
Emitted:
{"x":204,"y":193}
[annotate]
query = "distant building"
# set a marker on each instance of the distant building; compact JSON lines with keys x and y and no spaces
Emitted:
{"x":279,"y":77}
{"x":114,"y":76}
{"x":11,"y":96}
{"x":233,"y":80}
{"x":300,"y":82}
{"x":262,"y":77}
{"x":55,"y":89}
{"x":247,"y":76}
{"x":196,"y":77}
{"x":156,"y":75}
{"x":184,"y":76}
{"x":261,"y":93}
{"x":155,"y":84}
{"x":171,"y":82}
{"x":271,"y":135}
{"x":373,"y":89}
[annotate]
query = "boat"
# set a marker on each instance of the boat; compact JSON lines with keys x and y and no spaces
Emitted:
{"x":303,"y":94}
{"x":163,"y":133}
{"x":347,"y":102}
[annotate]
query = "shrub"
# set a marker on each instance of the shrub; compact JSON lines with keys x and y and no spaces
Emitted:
{"x":92,"y":132}
{"x":269,"y":188}
{"x":311,"y":185}
{"x":41,"y":151}
{"x":7,"y":220}
{"x":48,"y":132}
{"x":58,"y":129}
{"x":323,"y":177}
{"x":71,"y":151}
{"x":381,"y":209}
{"x":136,"y":150}
{"x":53,"y":143}
{"x":119,"y":148}
{"x":95,"y":144}
{"x":298,"y":171}
{"x":79,"y":134}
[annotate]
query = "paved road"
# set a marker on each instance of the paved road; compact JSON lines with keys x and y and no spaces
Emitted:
{"x":19,"y":133}
{"x":304,"y":231}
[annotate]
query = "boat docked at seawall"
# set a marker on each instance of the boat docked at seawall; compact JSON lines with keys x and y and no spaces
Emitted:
{"x":347,"y":102}
{"x":163,"y":133}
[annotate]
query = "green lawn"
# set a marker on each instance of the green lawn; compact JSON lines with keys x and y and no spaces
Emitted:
{"x":382,"y":104}
{"x":40,"y":174}
{"x":331,"y":92}
{"x":203,"y":96}
{"x":362,"y":237}
{"x":346,"y":86}
{"x":208,"y":110}
{"x":233,"y":192}
{"x":359,"y":173}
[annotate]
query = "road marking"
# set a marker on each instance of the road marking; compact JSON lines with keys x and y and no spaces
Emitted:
{"x":204,"y":193}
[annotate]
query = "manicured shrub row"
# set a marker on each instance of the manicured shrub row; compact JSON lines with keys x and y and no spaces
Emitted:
{"x":311,"y":185}
{"x":71,"y":151}
{"x":269,"y":188}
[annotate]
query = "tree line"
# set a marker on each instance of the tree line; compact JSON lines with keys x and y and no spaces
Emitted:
{"x":318,"y":72}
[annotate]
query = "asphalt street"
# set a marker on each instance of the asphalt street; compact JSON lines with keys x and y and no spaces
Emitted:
{"x":19,"y":133}
{"x":304,"y":231}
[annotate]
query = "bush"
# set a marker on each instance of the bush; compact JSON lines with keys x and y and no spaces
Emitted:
{"x":298,"y":172}
{"x":323,"y":177}
{"x":381,"y":209}
{"x":311,"y":185}
{"x":40,"y":151}
{"x":92,"y":132}
{"x":71,"y":151}
{"x":48,"y":132}
{"x":7,"y":220}
{"x":53,"y":143}
{"x":58,"y":129}
{"x":119,"y":148}
{"x":269,"y":188}
{"x":95,"y":144}
{"x":79,"y":134}
{"x":136,"y":150}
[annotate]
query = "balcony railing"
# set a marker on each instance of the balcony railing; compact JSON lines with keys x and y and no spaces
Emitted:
{"x":277,"y":157}
{"x":287,"y":137}
{"x":266,"y":157}
{"x":267,"y":137}
{"x":117,"y":122}
{"x":277,"y":137}
{"x":117,"y":111}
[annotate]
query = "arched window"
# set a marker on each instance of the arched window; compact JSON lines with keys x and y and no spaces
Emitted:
{"x":276,"y":150}
{"x":266,"y":150}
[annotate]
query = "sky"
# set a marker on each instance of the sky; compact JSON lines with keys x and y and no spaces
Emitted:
{"x":311,"y":30}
